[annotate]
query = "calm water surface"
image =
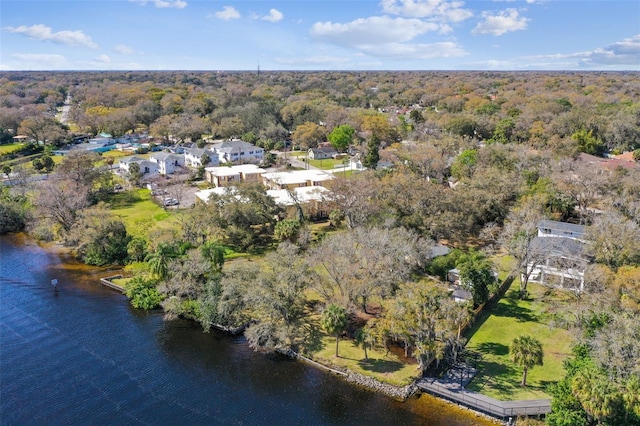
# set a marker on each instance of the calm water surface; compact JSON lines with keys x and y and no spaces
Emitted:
{"x":84,"y":356}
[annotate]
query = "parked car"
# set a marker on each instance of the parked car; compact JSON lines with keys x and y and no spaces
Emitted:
{"x":171,"y":202}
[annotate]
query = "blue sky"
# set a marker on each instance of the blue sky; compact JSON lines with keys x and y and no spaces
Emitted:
{"x":320,"y":35}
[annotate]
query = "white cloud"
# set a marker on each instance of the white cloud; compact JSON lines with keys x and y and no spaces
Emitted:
{"x":505,"y":21}
{"x":621,"y":53}
{"x":625,"y":52}
{"x":386,"y":37}
{"x":173,"y":4}
{"x":373,"y":30}
{"x":441,"y":10}
{"x":40,"y":60}
{"x":163,"y":4}
{"x":42,"y":32}
{"x":227,"y":13}
{"x":123,"y":49}
{"x":417,"y":50}
{"x":273,"y":16}
{"x":330,"y":61}
{"x":103,"y":59}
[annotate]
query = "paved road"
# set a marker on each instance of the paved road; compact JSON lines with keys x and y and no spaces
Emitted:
{"x":64,"y":116}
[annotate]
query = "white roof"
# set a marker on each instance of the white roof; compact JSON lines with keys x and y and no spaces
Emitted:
{"x":304,"y":194}
{"x":206,"y":193}
{"x":234,"y":170}
{"x":297,"y":176}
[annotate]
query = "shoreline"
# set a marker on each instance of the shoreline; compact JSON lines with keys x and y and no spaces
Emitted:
{"x":401,"y":394}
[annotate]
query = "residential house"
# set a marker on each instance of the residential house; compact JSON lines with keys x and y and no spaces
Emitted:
{"x":295,"y":179}
{"x":193,"y":157}
{"x":224,"y":176}
{"x":322,"y":153}
{"x":557,"y":255}
{"x":203,"y":195}
{"x":552,"y":228}
{"x":312,"y":200}
{"x":238,"y":152}
{"x":146,"y":167}
{"x":167,"y":162}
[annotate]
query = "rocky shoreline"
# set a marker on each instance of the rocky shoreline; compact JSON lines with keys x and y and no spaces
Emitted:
{"x":401,"y":393}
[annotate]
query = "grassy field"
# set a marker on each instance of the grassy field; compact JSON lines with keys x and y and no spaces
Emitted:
{"x":388,"y":368}
{"x":137,"y":210}
{"x":492,"y":334}
{"x":326,"y":164}
{"x":6,"y":148}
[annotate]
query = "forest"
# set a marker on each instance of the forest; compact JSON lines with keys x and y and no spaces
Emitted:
{"x":472,"y":161}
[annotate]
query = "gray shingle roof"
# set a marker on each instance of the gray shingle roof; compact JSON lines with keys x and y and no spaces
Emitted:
{"x":561,"y":227}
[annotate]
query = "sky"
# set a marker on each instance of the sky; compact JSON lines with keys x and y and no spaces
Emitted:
{"x":320,"y":35}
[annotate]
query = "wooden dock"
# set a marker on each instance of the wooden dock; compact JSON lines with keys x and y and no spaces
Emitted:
{"x":452,"y":391}
{"x":107,"y":282}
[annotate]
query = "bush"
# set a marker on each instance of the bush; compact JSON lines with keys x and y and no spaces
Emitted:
{"x":12,"y":216}
{"x":109,"y":246}
{"x":441,"y":265}
{"x":143,"y":293}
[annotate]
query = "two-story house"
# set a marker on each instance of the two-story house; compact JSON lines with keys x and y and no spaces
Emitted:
{"x":237,"y":151}
{"x":167,"y":162}
{"x":146,"y":167}
{"x":558,"y":257}
{"x":193,"y":157}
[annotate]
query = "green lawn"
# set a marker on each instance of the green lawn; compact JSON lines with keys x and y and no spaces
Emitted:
{"x":6,"y":148}
{"x":492,"y":334}
{"x":326,"y":164}
{"x":387,"y":368}
{"x":137,"y":210}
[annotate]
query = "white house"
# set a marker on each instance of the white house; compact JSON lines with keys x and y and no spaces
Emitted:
{"x":552,"y":228}
{"x":322,"y":153}
{"x":167,"y":162}
{"x":193,"y":157}
{"x":146,"y":167}
{"x":237,"y":151}
{"x":557,"y":255}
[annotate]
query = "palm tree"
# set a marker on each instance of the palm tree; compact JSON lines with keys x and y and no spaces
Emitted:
{"x":334,"y":321}
{"x":214,"y":253}
{"x":526,"y":351}
{"x":364,"y":338}
{"x":631,"y":395}
{"x":159,"y":260}
{"x":596,"y":393}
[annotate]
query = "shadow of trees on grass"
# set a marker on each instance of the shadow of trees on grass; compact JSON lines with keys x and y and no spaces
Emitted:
{"x":492,"y":348}
{"x":124,"y":199}
{"x":380,"y":365}
{"x":501,"y":378}
{"x":516,"y":311}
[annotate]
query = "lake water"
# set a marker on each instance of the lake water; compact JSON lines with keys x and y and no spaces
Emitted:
{"x":84,"y":356}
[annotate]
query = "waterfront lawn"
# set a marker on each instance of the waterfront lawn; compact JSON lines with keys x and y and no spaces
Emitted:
{"x":387,"y":368}
{"x":492,"y":334}
{"x":137,"y":210}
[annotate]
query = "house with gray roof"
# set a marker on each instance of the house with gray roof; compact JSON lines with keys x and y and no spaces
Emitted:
{"x":167,"y":162}
{"x":322,"y":153}
{"x":193,"y":157}
{"x":238,"y":152}
{"x":146,"y":167}
{"x":558,"y":257}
